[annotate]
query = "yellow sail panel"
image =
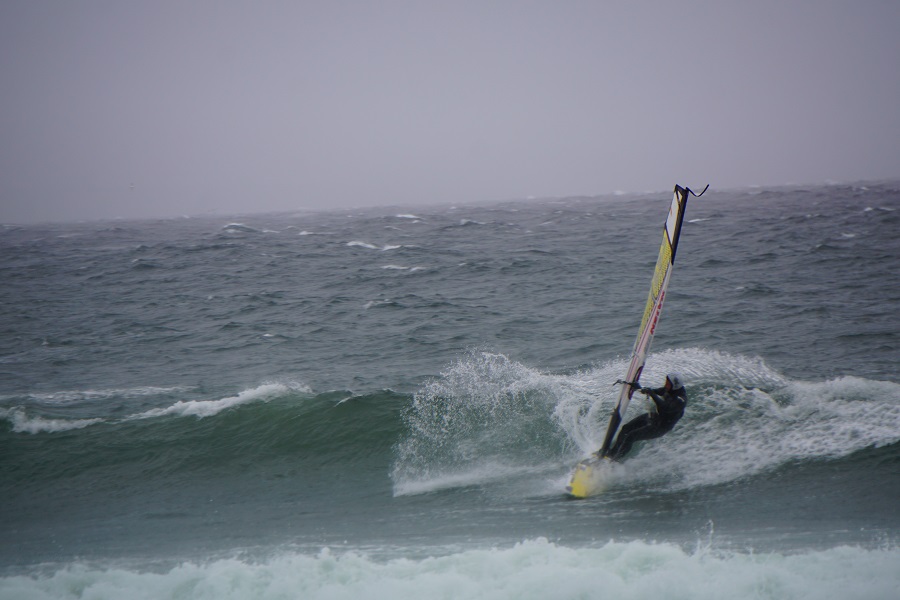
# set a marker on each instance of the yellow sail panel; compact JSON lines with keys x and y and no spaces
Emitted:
{"x":656,"y":285}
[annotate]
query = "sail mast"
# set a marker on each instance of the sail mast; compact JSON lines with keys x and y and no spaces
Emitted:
{"x":658,"y":285}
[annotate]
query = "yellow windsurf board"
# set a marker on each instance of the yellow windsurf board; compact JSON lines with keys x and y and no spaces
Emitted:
{"x":590,"y":477}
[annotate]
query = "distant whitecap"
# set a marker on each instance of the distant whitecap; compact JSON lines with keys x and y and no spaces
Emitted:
{"x":239,"y":228}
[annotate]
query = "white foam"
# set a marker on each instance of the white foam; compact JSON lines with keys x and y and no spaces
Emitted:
{"x":368,"y":246}
{"x":239,"y":228}
{"x":478,"y":474}
{"x":208,"y":408}
{"x":362,"y":245}
{"x":735,"y":431}
{"x":403,"y":268}
{"x":22,"y":423}
{"x":537,"y":569}
{"x":374,"y":303}
{"x":72,"y":396}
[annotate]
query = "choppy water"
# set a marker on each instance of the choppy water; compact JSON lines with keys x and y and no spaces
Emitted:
{"x":386,"y":403}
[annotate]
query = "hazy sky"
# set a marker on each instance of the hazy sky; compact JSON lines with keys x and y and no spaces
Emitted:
{"x":213,"y":107}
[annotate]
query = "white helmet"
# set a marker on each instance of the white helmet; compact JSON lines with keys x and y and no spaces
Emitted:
{"x":676,"y":380}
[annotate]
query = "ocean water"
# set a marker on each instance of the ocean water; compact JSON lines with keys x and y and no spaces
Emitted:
{"x":387,"y":403}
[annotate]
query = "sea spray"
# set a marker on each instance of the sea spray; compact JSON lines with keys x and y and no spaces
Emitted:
{"x":485,"y":418}
{"x":488,"y":418}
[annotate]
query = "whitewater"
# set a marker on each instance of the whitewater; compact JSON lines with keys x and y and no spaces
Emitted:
{"x":387,"y":403}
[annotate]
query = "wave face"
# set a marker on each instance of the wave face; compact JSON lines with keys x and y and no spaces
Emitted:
{"x":261,"y":426}
{"x":485,"y":420}
{"x":183,"y":398}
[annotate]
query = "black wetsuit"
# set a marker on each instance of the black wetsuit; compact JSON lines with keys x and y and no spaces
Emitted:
{"x":670,"y":408}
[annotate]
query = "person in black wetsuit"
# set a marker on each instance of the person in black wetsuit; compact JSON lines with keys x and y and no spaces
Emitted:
{"x":670,"y":401}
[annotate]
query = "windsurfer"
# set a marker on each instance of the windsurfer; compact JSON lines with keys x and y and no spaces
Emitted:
{"x":670,"y":401}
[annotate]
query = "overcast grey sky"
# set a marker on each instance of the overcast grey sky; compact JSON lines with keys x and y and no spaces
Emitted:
{"x":213,"y":107}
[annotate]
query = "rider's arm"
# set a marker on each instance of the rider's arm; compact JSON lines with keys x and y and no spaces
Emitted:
{"x":654,"y":395}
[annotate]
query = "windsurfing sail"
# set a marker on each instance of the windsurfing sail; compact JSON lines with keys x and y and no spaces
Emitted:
{"x":658,"y":286}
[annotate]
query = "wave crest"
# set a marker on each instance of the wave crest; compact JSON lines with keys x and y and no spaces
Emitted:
{"x":489,"y":418}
